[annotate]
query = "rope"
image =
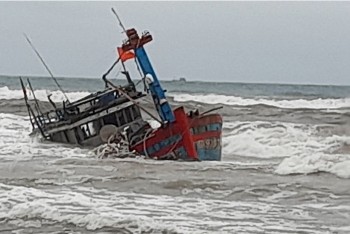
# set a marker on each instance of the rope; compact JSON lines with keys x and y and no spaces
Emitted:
{"x":138,"y":82}
{"x":116,"y":147}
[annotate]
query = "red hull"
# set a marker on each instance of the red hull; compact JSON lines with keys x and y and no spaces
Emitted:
{"x":192,"y":137}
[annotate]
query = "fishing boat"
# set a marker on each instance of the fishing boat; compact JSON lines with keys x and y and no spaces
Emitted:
{"x":101,"y":116}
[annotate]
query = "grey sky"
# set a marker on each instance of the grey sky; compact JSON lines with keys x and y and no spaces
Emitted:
{"x":275,"y":42}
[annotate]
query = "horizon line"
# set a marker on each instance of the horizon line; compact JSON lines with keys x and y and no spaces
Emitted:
{"x":167,"y":80}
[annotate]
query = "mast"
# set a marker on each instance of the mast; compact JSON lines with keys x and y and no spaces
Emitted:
{"x":136,"y":44}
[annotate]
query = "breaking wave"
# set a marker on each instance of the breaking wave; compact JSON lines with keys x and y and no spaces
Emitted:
{"x":276,"y":140}
{"x":94,"y":209}
{"x":17,"y":144}
{"x":327,"y":103}
{"x":87,"y":208}
{"x":41,"y":94}
{"x":338,"y":164}
{"x":302,"y":148}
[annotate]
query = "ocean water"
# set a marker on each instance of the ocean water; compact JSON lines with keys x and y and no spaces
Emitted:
{"x":285,"y":167}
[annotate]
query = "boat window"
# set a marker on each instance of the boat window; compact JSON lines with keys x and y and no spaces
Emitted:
{"x":132,"y":113}
{"x":128,"y":114}
{"x":120,"y":118}
{"x":116,"y":119}
{"x":125,"y":118}
{"x":79,"y":134}
{"x":192,"y":131}
{"x":201,"y":129}
{"x":85,"y":131}
{"x":88,"y":130}
{"x":110,"y":119}
{"x":137,"y":111}
{"x":91,"y":128}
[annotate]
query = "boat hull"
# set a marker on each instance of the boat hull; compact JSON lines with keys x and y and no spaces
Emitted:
{"x":206,"y":134}
{"x":190,"y":137}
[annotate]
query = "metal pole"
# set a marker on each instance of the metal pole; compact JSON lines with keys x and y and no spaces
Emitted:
{"x":36,"y":100}
{"x":26,"y":101}
{"x":46,"y":67}
{"x":120,"y":22}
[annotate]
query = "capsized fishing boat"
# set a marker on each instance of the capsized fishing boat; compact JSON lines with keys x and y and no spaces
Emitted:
{"x":99,"y":117}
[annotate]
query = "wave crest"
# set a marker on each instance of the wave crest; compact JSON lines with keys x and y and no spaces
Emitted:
{"x":41,"y":94}
{"x":318,"y":103}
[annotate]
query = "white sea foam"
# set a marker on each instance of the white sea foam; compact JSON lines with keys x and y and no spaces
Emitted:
{"x":57,"y":96}
{"x":269,"y":140}
{"x":93,"y":209}
{"x":300,"y":144}
{"x":338,"y":164}
{"x":16,"y":144}
{"x":304,"y":148}
{"x":41,"y":94}
{"x":239,"y":101}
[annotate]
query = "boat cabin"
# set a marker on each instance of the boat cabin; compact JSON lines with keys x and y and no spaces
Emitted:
{"x":80,"y":122}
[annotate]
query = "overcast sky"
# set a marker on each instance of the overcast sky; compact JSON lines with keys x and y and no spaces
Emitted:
{"x":274,"y":42}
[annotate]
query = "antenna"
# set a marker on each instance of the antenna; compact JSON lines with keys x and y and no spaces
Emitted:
{"x":119,"y":21}
{"x":46,"y":67}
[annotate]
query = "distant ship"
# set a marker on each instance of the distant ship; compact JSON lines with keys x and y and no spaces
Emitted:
{"x":181,"y":79}
{"x":102,"y":116}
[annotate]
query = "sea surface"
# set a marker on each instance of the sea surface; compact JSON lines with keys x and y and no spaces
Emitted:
{"x":285,"y":167}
